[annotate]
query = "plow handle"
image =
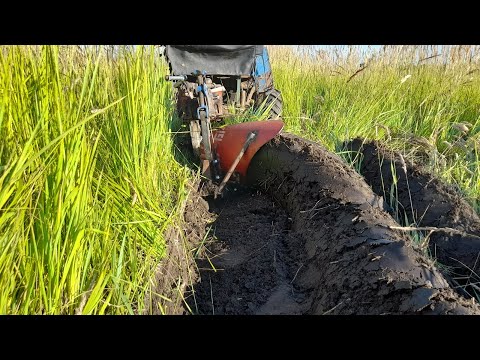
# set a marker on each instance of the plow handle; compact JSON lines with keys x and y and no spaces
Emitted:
{"x":175,"y":77}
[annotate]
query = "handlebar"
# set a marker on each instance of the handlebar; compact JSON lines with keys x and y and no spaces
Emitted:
{"x":175,"y":77}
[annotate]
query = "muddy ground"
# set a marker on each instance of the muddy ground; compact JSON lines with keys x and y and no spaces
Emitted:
{"x":311,"y":237}
{"x":253,"y":270}
{"x":177,"y":271}
{"x":427,"y":202}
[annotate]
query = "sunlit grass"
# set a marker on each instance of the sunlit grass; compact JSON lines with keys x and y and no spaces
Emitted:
{"x":400,"y":96}
{"x":88,"y":183}
{"x":88,"y":179}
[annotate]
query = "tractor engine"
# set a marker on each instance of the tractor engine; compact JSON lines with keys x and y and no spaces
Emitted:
{"x":223,"y":96}
{"x":187,"y":102}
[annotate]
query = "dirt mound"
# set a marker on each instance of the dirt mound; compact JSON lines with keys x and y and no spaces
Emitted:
{"x":319,"y":243}
{"x":433,"y":203}
{"x":253,"y":273}
{"x":177,"y":271}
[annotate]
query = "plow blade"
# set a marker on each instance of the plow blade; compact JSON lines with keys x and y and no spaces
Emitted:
{"x":229,"y":141}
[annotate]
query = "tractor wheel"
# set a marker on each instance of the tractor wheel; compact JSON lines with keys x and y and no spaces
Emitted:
{"x":273,"y":101}
{"x":196,"y":136}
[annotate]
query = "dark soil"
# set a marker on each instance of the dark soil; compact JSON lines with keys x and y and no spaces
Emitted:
{"x":315,"y":240}
{"x":253,"y":272}
{"x":433,"y":204}
{"x":177,"y":271}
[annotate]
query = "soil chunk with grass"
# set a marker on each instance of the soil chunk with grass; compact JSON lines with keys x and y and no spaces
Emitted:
{"x":426,"y":201}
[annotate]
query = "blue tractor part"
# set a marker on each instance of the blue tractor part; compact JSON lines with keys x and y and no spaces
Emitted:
{"x":263,"y":72}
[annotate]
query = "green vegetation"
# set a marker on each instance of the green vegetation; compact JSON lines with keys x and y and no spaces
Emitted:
{"x":424,"y":101}
{"x":88,"y":179}
{"x":88,"y":183}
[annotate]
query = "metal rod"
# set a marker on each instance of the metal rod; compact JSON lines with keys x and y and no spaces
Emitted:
{"x":230,"y":171}
{"x":175,"y":77}
{"x":250,"y":95}
{"x":242,"y":99}
{"x":237,"y":94}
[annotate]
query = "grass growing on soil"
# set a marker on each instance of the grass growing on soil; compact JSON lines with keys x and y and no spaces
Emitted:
{"x":423,"y":101}
{"x":89,"y":182}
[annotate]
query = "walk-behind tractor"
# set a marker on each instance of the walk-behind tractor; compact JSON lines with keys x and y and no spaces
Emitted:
{"x":210,"y":82}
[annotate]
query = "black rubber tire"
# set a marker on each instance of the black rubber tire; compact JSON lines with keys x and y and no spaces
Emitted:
{"x":273,"y":96}
{"x":196,"y":136}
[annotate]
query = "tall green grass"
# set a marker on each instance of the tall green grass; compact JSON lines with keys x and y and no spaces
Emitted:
{"x":88,"y":183}
{"x":88,"y":179}
{"x":415,"y":98}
